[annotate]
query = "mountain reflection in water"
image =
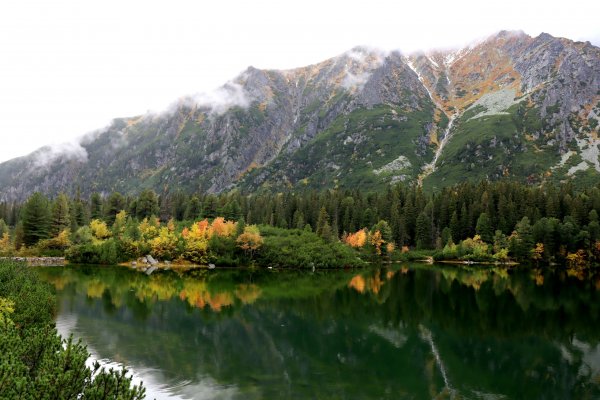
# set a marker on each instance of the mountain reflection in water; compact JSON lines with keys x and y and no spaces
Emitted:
{"x":406,"y":331}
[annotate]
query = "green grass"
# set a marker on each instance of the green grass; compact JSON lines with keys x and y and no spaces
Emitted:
{"x":383,"y":135}
{"x":494,"y":147}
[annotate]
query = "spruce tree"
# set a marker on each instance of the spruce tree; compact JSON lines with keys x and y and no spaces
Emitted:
{"x":146,"y":206}
{"x":423,"y":232}
{"x":193,"y":209}
{"x":484,"y":228}
{"x":60,"y":215}
{"x":36,"y":219}
{"x":116,"y":203}
{"x":322,"y":222}
{"x":95,"y":206}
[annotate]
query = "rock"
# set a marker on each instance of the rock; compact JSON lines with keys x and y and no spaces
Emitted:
{"x":211,"y":266}
{"x":133,"y":264}
{"x":150,"y":270}
{"x":151,"y":260}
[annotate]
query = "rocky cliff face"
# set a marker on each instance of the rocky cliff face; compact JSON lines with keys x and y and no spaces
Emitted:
{"x":511,"y":105}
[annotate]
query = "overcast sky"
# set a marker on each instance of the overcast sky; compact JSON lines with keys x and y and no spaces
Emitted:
{"x":68,"y":67}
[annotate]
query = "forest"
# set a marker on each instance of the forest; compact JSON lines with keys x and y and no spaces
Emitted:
{"x":495,"y":222}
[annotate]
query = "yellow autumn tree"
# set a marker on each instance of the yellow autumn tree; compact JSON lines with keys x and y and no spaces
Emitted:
{"x":577,"y":259}
{"x":250,"y":240}
{"x":149,"y":228}
{"x":118,"y":226}
{"x":99,"y":230}
{"x":164,"y":246}
{"x":537,"y":252}
{"x":196,"y":241}
{"x":5,"y":245}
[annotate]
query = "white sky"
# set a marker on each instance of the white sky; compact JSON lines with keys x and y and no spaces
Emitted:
{"x":68,"y":67}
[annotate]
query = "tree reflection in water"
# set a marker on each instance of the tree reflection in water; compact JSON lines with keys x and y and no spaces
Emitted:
{"x":404,"y":331}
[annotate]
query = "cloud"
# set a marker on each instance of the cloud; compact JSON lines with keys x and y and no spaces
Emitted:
{"x":360,"y":64}
{"x":352,"y":81}
{"x":219,"y":101}
{"x":48,"y":155}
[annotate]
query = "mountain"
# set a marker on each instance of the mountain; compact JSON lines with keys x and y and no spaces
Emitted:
{"x":526,"y":108}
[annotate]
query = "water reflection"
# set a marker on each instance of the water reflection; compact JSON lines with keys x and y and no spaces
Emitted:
{"x":398,"y":332}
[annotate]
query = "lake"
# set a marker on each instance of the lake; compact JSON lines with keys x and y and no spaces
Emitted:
{"x":400,"y":332}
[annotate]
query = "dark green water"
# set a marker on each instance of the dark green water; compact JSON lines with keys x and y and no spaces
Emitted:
{"x":404,"y":332}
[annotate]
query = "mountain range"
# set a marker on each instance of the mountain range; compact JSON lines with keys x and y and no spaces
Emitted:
{"x":510,"y":106}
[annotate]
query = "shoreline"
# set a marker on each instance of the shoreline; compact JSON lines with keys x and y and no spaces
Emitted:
{"x":39,"y":261}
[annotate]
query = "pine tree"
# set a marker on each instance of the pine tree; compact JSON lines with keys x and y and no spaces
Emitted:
{"x":386,"y":232}
{"x":193,"y":209}
{"x":298,"y":219}
{"x":36,"y":219}
{"x":211,"y":207}
{"x":146,"y":206}
{"x":77,"y":212}
{"x":60,"y":215}
{"x":484,"y":228}
{"x":95,"y":206}
{"x":116,"y":203}
{"x":323,"y":222}
{"x":423,"y":232}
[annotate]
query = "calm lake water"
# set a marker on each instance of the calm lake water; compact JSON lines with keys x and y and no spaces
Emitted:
{"x":403,"y":332}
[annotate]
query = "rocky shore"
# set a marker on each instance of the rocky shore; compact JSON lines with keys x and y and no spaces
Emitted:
{"x":39,"y":261}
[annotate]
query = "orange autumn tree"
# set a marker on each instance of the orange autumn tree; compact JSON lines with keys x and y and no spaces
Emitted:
{"x":377,"y":241}
{"x":358,"y":239}
{"x":221,"y":227}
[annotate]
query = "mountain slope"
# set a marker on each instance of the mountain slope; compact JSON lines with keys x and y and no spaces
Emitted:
{"x":510,"y":106}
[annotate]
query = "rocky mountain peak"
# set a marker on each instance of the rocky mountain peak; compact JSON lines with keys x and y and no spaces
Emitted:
{"x":509,"y":105}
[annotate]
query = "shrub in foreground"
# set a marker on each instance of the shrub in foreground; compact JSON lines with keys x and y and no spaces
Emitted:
{"x":35,"y":363}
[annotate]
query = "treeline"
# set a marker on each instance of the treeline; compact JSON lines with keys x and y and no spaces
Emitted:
{"x":543,"y":223}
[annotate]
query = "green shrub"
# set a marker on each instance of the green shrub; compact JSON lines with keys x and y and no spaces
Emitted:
{"x":35,"y":361}
{"x":301,"y":249}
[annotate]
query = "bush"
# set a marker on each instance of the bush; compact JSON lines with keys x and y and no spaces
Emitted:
{"x":106,"y":252}
{"x":36,"y":362}
{"x":303,"y":249}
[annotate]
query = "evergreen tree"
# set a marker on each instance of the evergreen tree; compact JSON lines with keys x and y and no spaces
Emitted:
{"x":446,"y":236}
{"x":146,"y":206}
{"x":298,"y":219}
{"x":455,"y":226}
{"x":116,"y":203}
{"x":36,"y":219}
{"x":522,"y":240}
{"x":77,"y":212}
{"x":423,"y":232}
{"x":193,"y":209}
{"x":484,"y":228}
{"x":3,"y":228}
{"x":384,"y":228}
{"x":19,"y":235}
{"x":211,"y":207}
{"x":60,"y":215}
{"x":593,"y":227}
{"x":95,"y":206}
{"x":323,"y":223}
{"x":232,"y":211}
